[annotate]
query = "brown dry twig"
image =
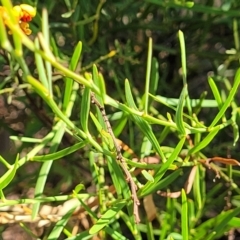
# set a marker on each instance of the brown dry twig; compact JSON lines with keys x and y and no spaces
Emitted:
{"x":133,"y":186}
{"x":227,"y":161}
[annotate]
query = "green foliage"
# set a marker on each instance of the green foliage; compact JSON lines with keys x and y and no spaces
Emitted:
{"x":90,"y":70}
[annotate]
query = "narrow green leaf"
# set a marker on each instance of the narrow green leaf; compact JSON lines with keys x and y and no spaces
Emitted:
{"x":99,"y":81}
{"x":235,"y":32}
{"x":9,"y":175}
{"x":85,"y":107}
{"x":175,"y":236}
{"x":144,"y":165}
{"x":115,"y":234}
{"x":106,"y":137}
{"x":96,"y":122}
{"x":118,"y":178}
{"x":184,"y":216}
{"x":68,"y":81}
{"x":215,"y":92}
{"x":79,"y":188}
{"x":179,"y":112}
{"x":234,"y":222}
{"x":172,"y":102}
{"x":183,"y":56}
{"x":60,"y":154}
{"x":45,"y":31}
{"x":58,"y":130}
{"x":142,"y":124}
{"x":148,"y":74}
{"x":95,"y":74}
{"x":26,"y":139}
{"x":189,"y":4}
{"x":149,"y":186}
{"x":219,"y":228}
{"x":93,"y":168}
{"x":102,"y":87}
{"x":146,"y":148}
{"x":191,"y":214}
{"x":82,"y":236}
{"x":229,"y":99}
{"x":107,"y":217}
{"x":40,"y":66}
{"x":147,"y":175}
{"x":216,"y":225}
{"x":205,"y":141}
{"x":169,"y":220}
{"x":119,"y":126}
{"x":154,"y":77}
{"x":67,"y":14}
{"x":150,"y":234}
{"x":197,"y":191}
{"x":153,"y":186}
{"x":129,"y":96}
{"x":58,"y":228}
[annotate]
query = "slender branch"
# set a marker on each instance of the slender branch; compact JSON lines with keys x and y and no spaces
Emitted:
{"x":122,"y":162}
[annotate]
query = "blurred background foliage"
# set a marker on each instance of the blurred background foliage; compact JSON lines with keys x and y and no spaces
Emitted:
{"x":115,"y":38}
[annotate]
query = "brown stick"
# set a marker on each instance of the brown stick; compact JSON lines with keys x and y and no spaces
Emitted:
{"x":133,"y":186}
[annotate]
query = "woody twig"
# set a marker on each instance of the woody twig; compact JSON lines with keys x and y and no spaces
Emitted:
{"x":122,"y":163}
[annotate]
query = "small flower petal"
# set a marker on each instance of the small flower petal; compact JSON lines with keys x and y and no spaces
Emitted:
{"x":25,"y":27}
{"x":28,"y":10}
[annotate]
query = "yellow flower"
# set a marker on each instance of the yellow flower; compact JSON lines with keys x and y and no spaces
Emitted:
{"x":23,"y":13}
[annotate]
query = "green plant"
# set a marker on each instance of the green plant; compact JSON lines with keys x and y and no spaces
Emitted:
{"x":83,"y":122}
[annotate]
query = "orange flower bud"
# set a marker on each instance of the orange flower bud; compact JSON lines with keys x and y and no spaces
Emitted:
{"x":17,"y":11}
{"x":28,"y":12}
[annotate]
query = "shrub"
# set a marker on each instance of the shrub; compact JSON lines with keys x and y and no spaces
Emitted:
{"x":77,"y":85}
